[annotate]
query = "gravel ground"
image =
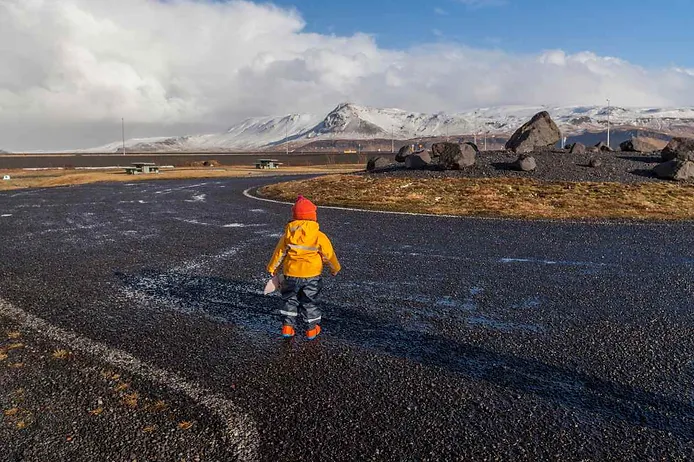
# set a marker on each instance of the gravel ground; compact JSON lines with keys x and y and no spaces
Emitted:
{"x":623,"y":167}
{"x":54,"y":401}
{"x":445,"y":339}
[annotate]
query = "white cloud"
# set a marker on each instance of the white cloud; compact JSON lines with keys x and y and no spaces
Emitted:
{"x":483,"y":3}
{"x":440,"y":12}
{"x":72,"y":68}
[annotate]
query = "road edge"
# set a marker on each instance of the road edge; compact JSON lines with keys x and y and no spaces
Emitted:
{"x":241,"y":430}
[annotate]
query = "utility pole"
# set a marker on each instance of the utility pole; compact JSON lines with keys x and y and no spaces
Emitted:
{"x":392,"y":139}
{"x":474,"y":127}
{"x":286,"y":136}
{"x":122,"y":122}
{"x":485,"y":141}
{"x":608,"y":122}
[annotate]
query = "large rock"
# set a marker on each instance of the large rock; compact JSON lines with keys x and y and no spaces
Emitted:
{"x":539,"y":133}
{"x":637,"y":145}
{"x":473,"y":145}
{"x":403,"y":153}
{"x":418,"y":161}
{"x":376,"y":163}
{"x":453,"y":156}
{"x":676,"y":169}
{"x":525,"y":163}
{"x":577,"y":148}
{"x":603,"y":147}
{"x":679,"y":148}
{"x":595,"y":163}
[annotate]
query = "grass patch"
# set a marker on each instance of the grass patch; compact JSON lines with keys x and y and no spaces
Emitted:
{"x":22,"y":179}
{"x":496,"y":197}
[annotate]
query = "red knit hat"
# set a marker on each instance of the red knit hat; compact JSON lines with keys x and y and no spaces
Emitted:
{"x":304,"y":209}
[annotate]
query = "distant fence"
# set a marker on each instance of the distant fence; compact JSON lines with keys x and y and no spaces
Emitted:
{"x":14,"y":161}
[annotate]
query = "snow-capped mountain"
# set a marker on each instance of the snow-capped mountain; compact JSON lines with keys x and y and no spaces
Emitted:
{"x":353,"y":122}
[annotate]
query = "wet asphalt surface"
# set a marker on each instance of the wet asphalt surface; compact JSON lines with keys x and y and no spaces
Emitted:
{"x":444,"y":339}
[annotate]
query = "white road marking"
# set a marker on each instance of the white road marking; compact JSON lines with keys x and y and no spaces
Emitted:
{"x":240,"y":428}
{"x":6,"y":215}
{"x":198,"y":198}
{"x":244,"y":225}
{"x":550,"y":262}
{"x":170,"y":190}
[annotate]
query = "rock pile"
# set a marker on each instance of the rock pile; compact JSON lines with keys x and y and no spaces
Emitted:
{"x":675,"y":169}
{"x":377,"y":163}
{"x":418,"y":161}
{"x":446,"y":156}
{"x":540,"y":133}
{"x":679,"y":148}
{"x":577,"y":148}
{"x":525,"y":163}
{"x":453,"y":156}
{"x":603,"y":147}
{"x":637,"y":145}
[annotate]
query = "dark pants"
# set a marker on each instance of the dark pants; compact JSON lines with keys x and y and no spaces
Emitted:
{"x":301,"y":294}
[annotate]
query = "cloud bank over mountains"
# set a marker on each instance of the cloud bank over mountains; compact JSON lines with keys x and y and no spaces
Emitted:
{"x":72,"y":69}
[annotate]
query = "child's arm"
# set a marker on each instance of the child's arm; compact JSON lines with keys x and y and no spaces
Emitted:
{"x":328,"y":254}
{"x":277,"y":256}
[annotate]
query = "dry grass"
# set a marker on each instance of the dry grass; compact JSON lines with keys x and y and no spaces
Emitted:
{"x":498,"y":197}
{"x":185,"y":425}
{"x":61,"y":354}
{"x":22,"y":179}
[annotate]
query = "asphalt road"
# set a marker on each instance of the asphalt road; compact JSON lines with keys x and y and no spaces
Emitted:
{"x":444,"y":339}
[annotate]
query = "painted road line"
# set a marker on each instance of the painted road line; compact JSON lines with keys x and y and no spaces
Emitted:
{"x":240,"y":428}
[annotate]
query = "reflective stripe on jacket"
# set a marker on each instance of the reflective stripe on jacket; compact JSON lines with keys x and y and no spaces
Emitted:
{"x":304,"y":249}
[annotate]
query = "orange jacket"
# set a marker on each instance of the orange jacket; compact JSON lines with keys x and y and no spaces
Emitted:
{"x":304,"y":249}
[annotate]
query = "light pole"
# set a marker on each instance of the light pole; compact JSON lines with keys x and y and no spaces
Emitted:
{"x":392,"y":139}
{"x":474,"y":127}
{"x":122,"y":122}
{"x":608,"y":122}
{"x":286,"y":136}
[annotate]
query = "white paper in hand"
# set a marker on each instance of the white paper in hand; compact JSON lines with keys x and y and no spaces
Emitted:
{"x":272,"y":285}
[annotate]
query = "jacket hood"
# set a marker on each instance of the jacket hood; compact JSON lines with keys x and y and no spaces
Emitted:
{"x":303,"y":232}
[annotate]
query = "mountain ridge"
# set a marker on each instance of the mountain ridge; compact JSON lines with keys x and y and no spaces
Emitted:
{"x":354,"y":122}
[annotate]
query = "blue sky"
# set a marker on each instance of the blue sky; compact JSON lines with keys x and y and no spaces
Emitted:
{"x":646,"y":32}
{"x":76,"y":68}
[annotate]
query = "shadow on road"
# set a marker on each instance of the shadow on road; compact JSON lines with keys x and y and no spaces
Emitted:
{"x":233,"y":302}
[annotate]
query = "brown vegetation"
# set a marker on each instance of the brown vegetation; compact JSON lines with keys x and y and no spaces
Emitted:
{"x":497,"y":197}
{"x":51,"y":178}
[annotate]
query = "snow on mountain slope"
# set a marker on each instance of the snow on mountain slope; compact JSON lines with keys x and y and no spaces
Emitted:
{"x":350,"y":121}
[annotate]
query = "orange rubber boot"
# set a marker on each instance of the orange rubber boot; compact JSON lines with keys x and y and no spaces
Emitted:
{"x":288,"y":332}
{"x":313,"y":333}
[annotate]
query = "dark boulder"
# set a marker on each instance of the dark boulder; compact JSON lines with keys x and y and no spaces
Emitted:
{"x":679,"y":148}
{"x":403,"y":153}
{"x":595,"y":163}
{"x":525,"y":163}
{"x":376,"y":163}
{"x":418,"y":161}
{"x":453,"y":156}
{"x":473,"y":145}
{"x":676,"y":169}
{"x":577,"y":148}
{"x":637,"y":145}
{"x":538,"y":134}
{"x":603,"y":147}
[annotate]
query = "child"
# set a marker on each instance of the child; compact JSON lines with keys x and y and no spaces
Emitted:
{"x":304,"y":249}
